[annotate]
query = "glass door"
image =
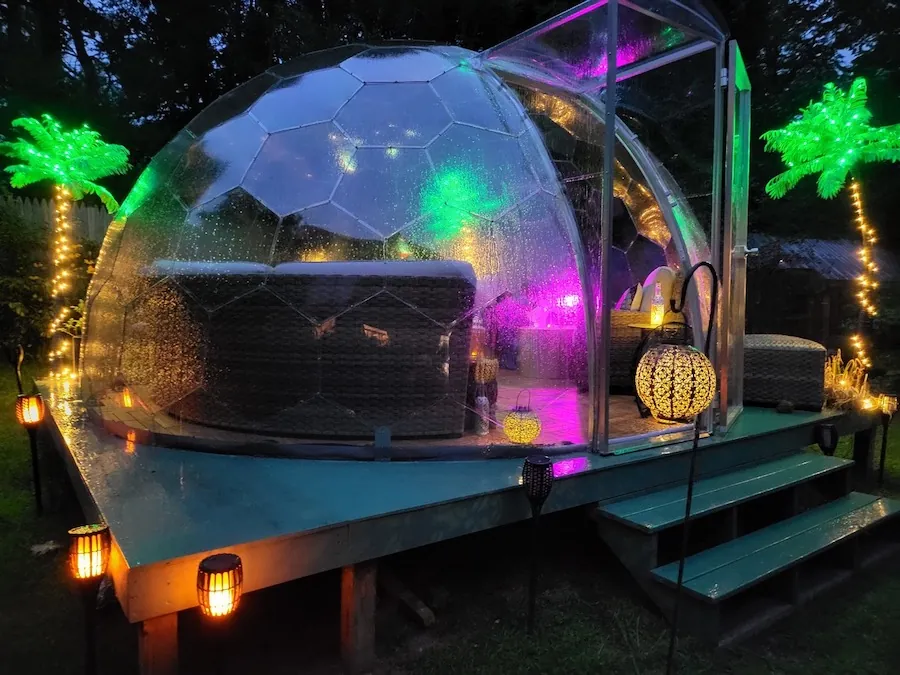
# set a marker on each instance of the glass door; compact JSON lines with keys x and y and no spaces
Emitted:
{"x":737,"y":179}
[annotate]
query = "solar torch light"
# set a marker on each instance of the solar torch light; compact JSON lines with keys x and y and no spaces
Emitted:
{"x":88,"y":559}
{"x":537,"y":477}
{"x":30,"y":413}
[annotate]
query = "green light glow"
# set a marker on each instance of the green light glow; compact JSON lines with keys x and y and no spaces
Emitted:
{"x":452,"y":197}
{"x":74,"y":159}
{"x":830,"y":137}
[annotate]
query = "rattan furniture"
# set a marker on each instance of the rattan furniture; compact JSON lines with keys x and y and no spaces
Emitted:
{"x":784,"y":368}
{"x":323,"y":349}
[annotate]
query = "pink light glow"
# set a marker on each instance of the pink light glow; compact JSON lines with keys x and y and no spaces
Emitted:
{"x":626,"y":54}
{"x":567,"y":467}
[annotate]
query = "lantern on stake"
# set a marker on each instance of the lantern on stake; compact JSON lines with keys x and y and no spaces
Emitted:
{"x":522,"y":425}
{"x":89,"y":547}
{"x":537,"y":478}
{"x":30,"y":413}
{"x":220,"y":582}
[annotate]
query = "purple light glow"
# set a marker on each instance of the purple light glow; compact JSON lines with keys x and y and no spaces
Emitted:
{"x":626,"y":54}
{"x":567,"y":467}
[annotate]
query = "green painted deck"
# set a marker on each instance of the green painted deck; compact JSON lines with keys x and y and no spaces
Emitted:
{"x":663,"y":509}
{"x":290,"y":518}
{"x":718,"y":573}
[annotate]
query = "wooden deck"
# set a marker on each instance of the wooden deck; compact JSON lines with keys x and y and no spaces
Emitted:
{"x":290,"y":518}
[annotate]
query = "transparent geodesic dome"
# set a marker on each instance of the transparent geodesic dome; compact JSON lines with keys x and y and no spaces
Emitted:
{"x":368,"y":242}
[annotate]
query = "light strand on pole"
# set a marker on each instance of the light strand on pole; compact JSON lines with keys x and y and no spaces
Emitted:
{"x":867,"y":281}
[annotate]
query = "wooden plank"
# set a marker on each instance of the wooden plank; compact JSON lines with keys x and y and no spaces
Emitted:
{"x":158,"y":646}
{"x":358,"y":617}
{"x":663,"y":509}
{"x":718,"y":573}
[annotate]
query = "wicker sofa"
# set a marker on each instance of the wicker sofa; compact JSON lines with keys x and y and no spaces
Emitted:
{"x":318,"y":349}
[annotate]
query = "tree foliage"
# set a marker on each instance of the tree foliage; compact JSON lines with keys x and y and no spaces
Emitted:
{"x":138,"y":70}
{"x":829,"y":138}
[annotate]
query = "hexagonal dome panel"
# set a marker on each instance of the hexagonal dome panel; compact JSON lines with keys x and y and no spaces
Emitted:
{"x":325,"y":232}
{"x":400,"y":115}
{"x":397,"y":64}
{"x":217,"y":161}
{"x":473,"y":99}
{"x":490,"y":169}
{"x":384,"y":189}
{"x":300,"y":167}
{"x":233,"y":227}
{"x":231,"y":104}
{"x":306,"y":99}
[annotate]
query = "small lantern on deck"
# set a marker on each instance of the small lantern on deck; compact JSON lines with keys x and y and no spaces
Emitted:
{"x":676,"y":382}
{"x":89,"y":552}
{"x":220,"y":582}
{"x":522,"y":425}
{"x":29,"y":410}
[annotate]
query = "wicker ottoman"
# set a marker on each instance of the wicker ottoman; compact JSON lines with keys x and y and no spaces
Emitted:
{"x":784,"y":368}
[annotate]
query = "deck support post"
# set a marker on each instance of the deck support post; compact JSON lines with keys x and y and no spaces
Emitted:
{"x":863,"y":456}
{"x":158,"y":645}
{"x":358,"y":617}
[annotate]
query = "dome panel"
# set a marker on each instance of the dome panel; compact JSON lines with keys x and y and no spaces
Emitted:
{"x":479,"y":171}
{"x":399,"y":115}
{"x":323,"y":58}
{"x":217,"y":161}
{"x":298,"y":101}
{"x":473,"y":99}
{"x":384,"y":190}
{"x":300,"y":167}
{"x":231,"y":104}
{"x":233,"y":227}
{"x":397,"y":64}
{"x":324,"y":233}
{"x":644,"y":256}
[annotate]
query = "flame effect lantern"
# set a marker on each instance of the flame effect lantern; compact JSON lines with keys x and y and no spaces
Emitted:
{"x":522,"y":425}
{"x":220,"y":582}
{"x":89,"y":552}
{"x":29,"y":410}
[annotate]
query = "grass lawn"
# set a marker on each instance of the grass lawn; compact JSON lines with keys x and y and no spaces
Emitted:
{"x":592,"y":619}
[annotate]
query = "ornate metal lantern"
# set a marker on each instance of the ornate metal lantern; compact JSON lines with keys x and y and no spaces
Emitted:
{"x":676,"y":382}
{"x":522,"y":425}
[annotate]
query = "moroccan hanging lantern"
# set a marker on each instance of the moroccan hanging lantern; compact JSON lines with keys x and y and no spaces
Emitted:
{"x":522,"y":425}
{"x":676,"y":382}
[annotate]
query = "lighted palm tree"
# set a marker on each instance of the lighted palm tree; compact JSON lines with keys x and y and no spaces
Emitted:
{"x":74,"y":161}
{"x":830,"y":138}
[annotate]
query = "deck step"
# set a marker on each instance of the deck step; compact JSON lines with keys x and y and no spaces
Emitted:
{"x":660,"y":510}
{"x":718,"y":573}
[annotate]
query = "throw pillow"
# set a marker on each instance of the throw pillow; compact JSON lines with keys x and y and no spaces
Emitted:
{"x":638,"y":299}
{"x":627,"y":298}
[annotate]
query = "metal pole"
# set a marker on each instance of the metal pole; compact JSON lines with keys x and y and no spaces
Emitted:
{"x":600,"y":431}
{"x":35,"y":471}
{"x":89,"y":601}
{"x":532,"y":581}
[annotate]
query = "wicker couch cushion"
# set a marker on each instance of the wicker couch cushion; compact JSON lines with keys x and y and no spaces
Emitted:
{"x":784,"y":368}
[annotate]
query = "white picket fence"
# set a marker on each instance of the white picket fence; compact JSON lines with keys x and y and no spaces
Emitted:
{"x":88,"y":222}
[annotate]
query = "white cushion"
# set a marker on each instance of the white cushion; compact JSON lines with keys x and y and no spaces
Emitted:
{"x":638,"y":299}
{"x":665,"y":276}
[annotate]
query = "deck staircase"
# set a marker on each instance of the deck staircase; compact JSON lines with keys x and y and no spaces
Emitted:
{"x":764,"y":539}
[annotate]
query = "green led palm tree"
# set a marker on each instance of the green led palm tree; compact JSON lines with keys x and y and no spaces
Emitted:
{"x":74,"y":161}
{"x":830,"y":138}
